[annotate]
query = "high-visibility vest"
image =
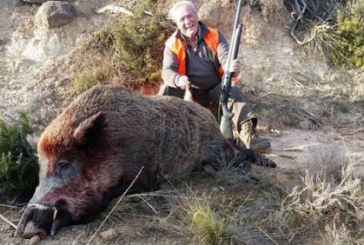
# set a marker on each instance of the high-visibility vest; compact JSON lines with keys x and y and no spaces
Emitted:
{"x":178,"y":47}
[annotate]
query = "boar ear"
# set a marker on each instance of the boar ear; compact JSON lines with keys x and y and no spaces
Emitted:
{"x":90,"y":130}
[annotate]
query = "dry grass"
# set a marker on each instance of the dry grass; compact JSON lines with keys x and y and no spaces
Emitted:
{"x":94,"y":64}
{"x":229,"y":209}
{"x":320,"y":195}
{"x":334,"y":235}
{"x":199,"y":217}
{"x":325,"y":42}
{"x":206,"y":210}
{"x":328,"y":198}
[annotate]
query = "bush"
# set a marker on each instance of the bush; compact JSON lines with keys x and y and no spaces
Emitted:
{"x":127,"y":52}
{"x":138,"y":42}
{"x":333,"y":29}
{"x":18,"y":166}
{"x":350,"y":29}
{"x":87,"y":79}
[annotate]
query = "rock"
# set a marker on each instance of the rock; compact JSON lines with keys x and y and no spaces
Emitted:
{"x":109,"y":235}
{"x":304,"y":124}
{"x":39,"y":1}
{"x":55,"y":13}
{"x":11,"y":3}
{"x":34,"y":240}
{"x":35,"y":1}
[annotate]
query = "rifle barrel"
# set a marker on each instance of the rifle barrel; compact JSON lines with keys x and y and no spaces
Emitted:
{"x":225,"y":116}
{"x":236,"y":42}
{"x":237,"y":16}
{"x":235,"y":37}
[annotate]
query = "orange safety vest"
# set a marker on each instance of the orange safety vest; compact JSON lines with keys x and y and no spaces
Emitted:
{"x":178,"y":47}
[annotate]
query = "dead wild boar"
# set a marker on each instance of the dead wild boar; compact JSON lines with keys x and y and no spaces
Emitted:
{"x":96,"y":147}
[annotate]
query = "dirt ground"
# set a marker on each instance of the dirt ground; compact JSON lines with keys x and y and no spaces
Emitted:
{"x":298,"y":150}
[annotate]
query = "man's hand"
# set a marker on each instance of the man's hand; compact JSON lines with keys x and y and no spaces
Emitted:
{"x":183,"y":82}
{"x":234,"y":67}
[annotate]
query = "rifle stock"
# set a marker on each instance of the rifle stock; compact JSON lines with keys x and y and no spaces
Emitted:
{"x":225,"y":114}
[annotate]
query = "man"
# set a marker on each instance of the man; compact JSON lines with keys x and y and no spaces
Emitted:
{"x":195,"y":57}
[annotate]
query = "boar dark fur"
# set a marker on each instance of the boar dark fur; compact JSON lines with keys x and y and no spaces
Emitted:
{"x":93,"y":150}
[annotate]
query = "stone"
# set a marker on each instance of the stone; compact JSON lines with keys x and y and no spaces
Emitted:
{"x":35,"y":1}
{"x":109,"y":234}
{"x":54,"y":14}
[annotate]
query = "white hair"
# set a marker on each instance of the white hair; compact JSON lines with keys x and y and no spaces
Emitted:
{"x":175,"y":8}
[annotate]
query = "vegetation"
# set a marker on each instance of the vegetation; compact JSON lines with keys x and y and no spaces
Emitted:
{"x":205,"y":224}
{"x":126,"y":52}
{"x":332,"y":28}
{"x":137,"y":42}
{"x":18,"y":166}
{"x":350,"y":29}
{"x":328,"y":198}
{"x":87,"y":79}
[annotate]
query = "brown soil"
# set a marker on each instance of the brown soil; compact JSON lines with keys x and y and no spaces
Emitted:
{"x":298,"y":150}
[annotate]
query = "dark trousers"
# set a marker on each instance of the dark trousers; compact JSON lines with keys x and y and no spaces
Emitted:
{"x":237,"y":104}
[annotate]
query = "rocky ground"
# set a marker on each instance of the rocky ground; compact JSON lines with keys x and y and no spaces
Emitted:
{"x":307,"y":108}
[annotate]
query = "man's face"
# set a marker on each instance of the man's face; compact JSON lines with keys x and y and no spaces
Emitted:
{"x":187,"y":21}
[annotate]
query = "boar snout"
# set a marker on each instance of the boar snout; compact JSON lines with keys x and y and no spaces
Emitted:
{"x":40,"y":220}
{"x":35,"y":221}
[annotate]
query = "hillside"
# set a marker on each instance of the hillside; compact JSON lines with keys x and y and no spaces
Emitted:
{"x":312,"y":111}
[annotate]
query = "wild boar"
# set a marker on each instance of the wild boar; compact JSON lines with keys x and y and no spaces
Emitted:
{"x":96,"y":147}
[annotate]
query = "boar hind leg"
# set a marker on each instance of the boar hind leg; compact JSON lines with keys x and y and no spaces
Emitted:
{"x":256,"y":158}
{"x":239,"y":158}
{"x":261,"y":160}
{"x":226,"y":154}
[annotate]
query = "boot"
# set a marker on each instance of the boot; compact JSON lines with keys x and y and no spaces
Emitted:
{"x":250,"y":140}
{"x":246,"y":134}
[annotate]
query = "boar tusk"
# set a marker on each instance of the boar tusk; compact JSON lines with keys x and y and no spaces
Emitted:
{"x":55,"y":212}
{"x":38,"y":206}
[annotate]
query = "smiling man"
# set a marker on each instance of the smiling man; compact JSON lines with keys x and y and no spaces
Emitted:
{"x":195,"y":57}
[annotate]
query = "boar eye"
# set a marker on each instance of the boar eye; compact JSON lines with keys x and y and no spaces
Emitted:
{"x":65,"y":169}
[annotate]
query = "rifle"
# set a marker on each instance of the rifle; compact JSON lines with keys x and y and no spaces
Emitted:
{"x":225,"y":118}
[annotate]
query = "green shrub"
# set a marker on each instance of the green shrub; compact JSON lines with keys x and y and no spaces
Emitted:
{"x":138,"y":42}
{"x":350,"y":29}
{"x":86,"y":80}
{"x":17,"y":170}
{"x":127,"y":52}
{"x":102,"y":40}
